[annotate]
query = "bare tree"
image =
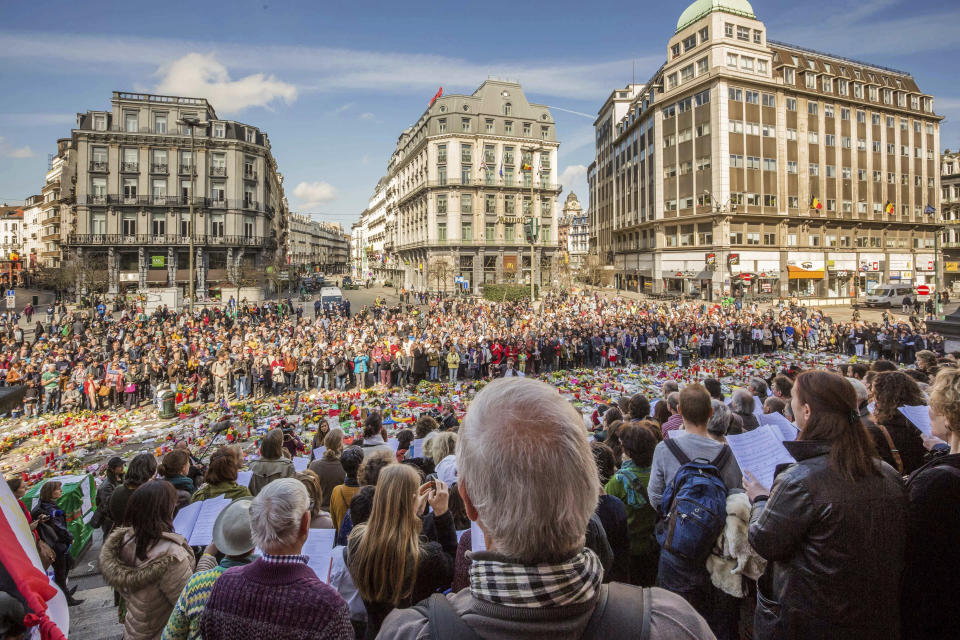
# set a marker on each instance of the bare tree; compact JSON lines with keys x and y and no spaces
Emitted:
{"x":440,"y":270}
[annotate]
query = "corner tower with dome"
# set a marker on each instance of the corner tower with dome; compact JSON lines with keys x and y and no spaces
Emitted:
{"x":752,"y":167}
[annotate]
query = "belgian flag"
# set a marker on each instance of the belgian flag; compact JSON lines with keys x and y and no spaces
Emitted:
{"x":890,"y":209}
{"x":815,"y":203}
{"x":526,"y":167}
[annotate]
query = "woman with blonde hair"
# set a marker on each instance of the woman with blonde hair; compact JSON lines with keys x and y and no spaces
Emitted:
{"x":391,"y":563}
{"x":931,"y":578}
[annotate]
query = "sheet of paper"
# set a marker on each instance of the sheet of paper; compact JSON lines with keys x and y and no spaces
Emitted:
{"x":460,"y":534}
{"x":653,"y":406}
{"x":759,"y":452}
{"x":872,"y":407}
{"x":318,"y":547}
{"x":416,"y":448}
{"x":186,"y":518}
{"x":785,"y":428}
{"x":300,"y":463}
{"x":758,"y":408}
{"x":202,"y":533}
{"x":394,"y":444}
{"x":477,"y":541}
{"x":243,"y":478}
{"x":919,"y":416}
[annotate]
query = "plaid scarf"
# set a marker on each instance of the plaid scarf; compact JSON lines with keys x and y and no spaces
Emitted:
{"x":542,"y":585}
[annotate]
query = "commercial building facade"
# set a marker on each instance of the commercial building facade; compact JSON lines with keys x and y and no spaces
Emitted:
{"x":370,"y":260}
{"x":460,"y":185}
{"x":750,"y":166}
{"x":950,"y":205}
{"x":578,"y":236}
{"x":316,"y":247}
{"x":134,"y":166}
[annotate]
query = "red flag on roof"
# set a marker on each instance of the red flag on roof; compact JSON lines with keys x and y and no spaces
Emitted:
{"x":437,"y":95}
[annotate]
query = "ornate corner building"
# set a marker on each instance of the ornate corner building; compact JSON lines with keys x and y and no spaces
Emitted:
{"x":750,"y":166}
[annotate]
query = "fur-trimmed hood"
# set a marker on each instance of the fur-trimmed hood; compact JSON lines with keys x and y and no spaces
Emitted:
{"x":119,"y":551}
{"x":733,"y":558}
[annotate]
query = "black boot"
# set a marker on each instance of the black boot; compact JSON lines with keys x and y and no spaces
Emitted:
{"x":72,"y":602}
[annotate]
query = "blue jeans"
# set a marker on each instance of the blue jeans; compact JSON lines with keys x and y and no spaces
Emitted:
{"x":342,"y":383}
{"x":433,"y":373}
{"x":240,"y":387}
{"x":453,"y":375}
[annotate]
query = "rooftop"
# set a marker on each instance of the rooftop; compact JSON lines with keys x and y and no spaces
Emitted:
{"x":702,"y":8}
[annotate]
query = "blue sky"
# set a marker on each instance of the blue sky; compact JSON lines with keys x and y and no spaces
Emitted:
{"x":334,"y":83}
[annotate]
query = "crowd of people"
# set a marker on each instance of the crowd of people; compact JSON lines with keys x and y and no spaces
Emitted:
{"x":522,"y":522}
{"x":122,"y":357}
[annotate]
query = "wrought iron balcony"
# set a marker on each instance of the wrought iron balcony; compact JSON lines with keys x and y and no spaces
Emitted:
{"x":218,"y":172}
{"x":249,"y":174}
{"x":130,"y":167}
{"x":119,"y":239}
{"x":159,"y":169}
{"x":186,"y":169}
{"x":99,"y":166}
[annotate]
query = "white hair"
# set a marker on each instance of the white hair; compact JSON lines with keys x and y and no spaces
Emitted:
{"x":525,"y":463}
{"x":276,"y":512}
{"x":742,"y":401}
{"x":862,"y":393}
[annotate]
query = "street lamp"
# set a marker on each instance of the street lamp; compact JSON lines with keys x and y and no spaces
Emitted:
{"x":719,"y":210}
{"x":534,"y":224}
{"x":193,"y":123}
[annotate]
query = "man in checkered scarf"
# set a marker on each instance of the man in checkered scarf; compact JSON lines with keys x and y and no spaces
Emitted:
{"x":529,"y":482}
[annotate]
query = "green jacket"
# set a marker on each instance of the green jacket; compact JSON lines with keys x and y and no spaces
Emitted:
{"x":630,"y":485}
{"x":230,"y":490}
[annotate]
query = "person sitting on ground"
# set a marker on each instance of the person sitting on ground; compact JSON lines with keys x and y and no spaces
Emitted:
{"x":277,"y":595}
{"x":146,"y":562}
{"x":272,"y":464}
{"x":533,"y":501}
{"x":233,"y":538}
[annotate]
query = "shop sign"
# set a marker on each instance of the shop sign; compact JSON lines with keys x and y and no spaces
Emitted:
{"x":158,"y":262}
{"x":711,"y":259}
{"x":733,"y":259}
{"x":951,"y":267}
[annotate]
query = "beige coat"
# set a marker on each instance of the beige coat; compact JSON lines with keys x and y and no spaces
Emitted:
{"x":150,"y":587}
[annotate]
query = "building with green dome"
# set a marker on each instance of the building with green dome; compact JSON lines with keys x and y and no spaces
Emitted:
{"x":752,"y":167}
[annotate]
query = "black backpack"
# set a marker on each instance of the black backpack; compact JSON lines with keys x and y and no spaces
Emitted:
{"x":615,"y":615}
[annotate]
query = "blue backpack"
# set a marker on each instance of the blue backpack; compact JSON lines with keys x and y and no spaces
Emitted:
{"x":695,"y":504}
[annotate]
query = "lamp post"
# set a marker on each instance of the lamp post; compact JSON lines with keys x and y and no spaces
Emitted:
{"x":534,"y":225}
{"x":720,"y":210}
{"x":193,"y":123}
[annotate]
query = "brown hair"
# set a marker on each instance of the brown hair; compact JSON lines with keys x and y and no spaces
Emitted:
{"x":223,"y":467}
{"x":425,"y":424}
{"x":891,"y":390}
{"x":46,"y":491}
{"x":638,"y":443}
{"x":606,"y":464}
{"x":783,"y":384}
{"x":172,"y":463}
{"x":694,"y":404}
{"x":834,"y":419}
{"x":639,"y":407}
{"x":333,"y":442}
{"x":150,"y":514}
{"x":613,"y":439}
{"x":311,"y":481}
{"x":661,"y":412}
{"x":373,"y":464}
{"x":271,"y":447}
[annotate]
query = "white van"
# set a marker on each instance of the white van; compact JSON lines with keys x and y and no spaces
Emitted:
{"x":889,"y":295}
{"x":331,"y":295}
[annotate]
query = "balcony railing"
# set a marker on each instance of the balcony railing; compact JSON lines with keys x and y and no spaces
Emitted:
{"x":159,"y":169}
{"x":175,"y":201}
{"x":129,"y":167}
{"x":218,"y":172}
{"x":119,"y":239}
{"x":47,"y":237}
{"x":249,"y":174}
{"x":187,"y":169}
{"x":99,"y":166}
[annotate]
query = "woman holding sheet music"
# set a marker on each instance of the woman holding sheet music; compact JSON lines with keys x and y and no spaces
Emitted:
{"x":891,"y":390}
{"x":147,"y":562}
{"x":832,"y":528}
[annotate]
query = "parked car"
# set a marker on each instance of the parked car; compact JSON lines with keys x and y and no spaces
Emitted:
{"x":348,"y":283}
{"x":888,"y":295}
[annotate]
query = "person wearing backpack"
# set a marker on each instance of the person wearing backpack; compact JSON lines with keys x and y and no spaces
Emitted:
{"x":531,"y":575}
{"x":690,"y":479}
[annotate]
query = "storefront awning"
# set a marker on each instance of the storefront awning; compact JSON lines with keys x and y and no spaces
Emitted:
{"x":704,"y":275}
{"x":798,"y":273}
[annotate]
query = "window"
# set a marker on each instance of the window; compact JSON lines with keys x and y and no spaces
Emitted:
{"x":670,"y":205}
{"x":769,"y":238}
{"x":686,"y":234}
{"x":789,"y":76}
{"x":489,"y":125}
{"x":728,"y":30}
{"x":527,"y":129}
{"x":442,"y":203}
{"x":757,"y":36}
{"x":159,"y":123}
{"x":793,"y":202}
{"x":130,"y":121}
{"x":828,"y":111}
{"x":736,"y":237}
{"x":158,"y":224}
{"x":858,"y":90}
{"x":753,"y":162}
{"x":508,"y":109}
{"x":675,"y":50}
{"x":746,"y":64}
{"x":99,"y":123}
{"x":875,"y":119}
{"x":842,"y":87}
{"x":670,"y":171}
{"x":769,"y":200}
{"x":217,"y":225}
{"x":442,"y":175}
{"x":159,"y":189}
{"x":753,"y":97}
{"x":845,"y":173}
{"x":705,"y":234}
{"x":762,"y":67}
{"x":735,"y":94}
{"x":218,"y":191}
{"x":704,"y":34}
{"x":219,"y":130}
{"x":769,"y":100}
{"x":752,"y":128}
{"x":736,"y":161}
{"x":813,"y":108}
{"x":672,"y":81}
{"x":686,"y":74}
{"x":830,"y":140}
{"x":465,"y":125}
{"x":753,"y":237}
{"x":861,"y":144}
{"x":251,"y":134}
{"x":845,"y":142}
{"x":702,"y":98}
{"x":466,"y":231}
{"x":736,"y":126}
{"x":831,"y":171}
{"x":466,"y":203}
{"x":490,"y":232}
{"x":814,"y":239}
{"x":689,"y":43}
{"x":129,"y":224}
{"x":810,"y":79}
{"x":702,"y":129}
{"x":508,"y":127}
{"x":814,"y":169}
{"x":129,"y":189}
{"x":669,"y":141}
{"x":791,"y":166}
{"x":791,"y":104}
{"x":441,"y":125}
{"x":249,"y":225}
{"x":466,"y":153}
{"x":769,"y":131}
{"x":743,"y":33}
{"x":813,"y":137}
{"x":874,"y":93}
{"x":703,"y":65}
{"x":703,"y":163}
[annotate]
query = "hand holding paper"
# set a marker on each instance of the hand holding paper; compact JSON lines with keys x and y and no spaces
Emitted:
{"x":759,"y":452}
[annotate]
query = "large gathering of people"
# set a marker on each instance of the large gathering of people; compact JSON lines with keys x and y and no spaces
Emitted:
{"x":518,"y":519}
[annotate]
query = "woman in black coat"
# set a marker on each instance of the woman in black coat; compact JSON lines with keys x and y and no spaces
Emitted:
{"x":931,"y":579}
{"x":53,"y":530}
{"x":419,"y":363}
{"x":832,"y":528}
{"x":890,"y":390}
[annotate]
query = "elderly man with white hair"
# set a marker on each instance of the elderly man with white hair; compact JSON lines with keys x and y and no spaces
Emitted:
{"x":277,"y":595}
{"x":528,"y":479}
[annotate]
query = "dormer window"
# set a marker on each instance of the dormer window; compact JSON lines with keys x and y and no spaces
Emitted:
{"x":508,"y":109}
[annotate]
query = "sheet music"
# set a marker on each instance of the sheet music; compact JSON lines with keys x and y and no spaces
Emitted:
{"x":202,"y":533}
{"x":919,"y":416}
{"x":244,"y":477}
{"x":759,"y":452}
{"x":416,"y":448}
{"x":318,"y":547}
{"x":186,"y":518}
{"x":785,"y":429}
{"x":300,"y":463}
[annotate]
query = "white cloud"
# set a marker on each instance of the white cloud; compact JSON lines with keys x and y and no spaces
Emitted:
{"x":366,"y":116}
{"x":7,"y":150}
{"x":198,"y":74}
{"x":573,"y":178}
{"x":312,"y":194}
{"x":326,"y":69}
{"x":343,"y":108}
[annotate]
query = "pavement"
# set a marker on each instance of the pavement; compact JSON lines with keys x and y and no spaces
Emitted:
{"x":96,"y":617}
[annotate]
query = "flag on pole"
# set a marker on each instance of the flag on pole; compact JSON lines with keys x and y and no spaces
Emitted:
{"x":815,"y":203}
{"x":501,"y":168}
{"x":889,"y":208}
{"x":525,"y":167}
{"x":929,"y":210}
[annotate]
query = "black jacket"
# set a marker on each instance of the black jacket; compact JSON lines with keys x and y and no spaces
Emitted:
{"x":835,"y":550}
{"x":931,"y":578}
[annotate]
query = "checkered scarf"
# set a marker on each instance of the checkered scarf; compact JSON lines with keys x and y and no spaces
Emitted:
{"x":542,"y":585}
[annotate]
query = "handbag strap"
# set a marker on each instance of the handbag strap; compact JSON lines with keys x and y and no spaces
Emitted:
{"x":893,"y":448}
{"x":616,"y":611}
